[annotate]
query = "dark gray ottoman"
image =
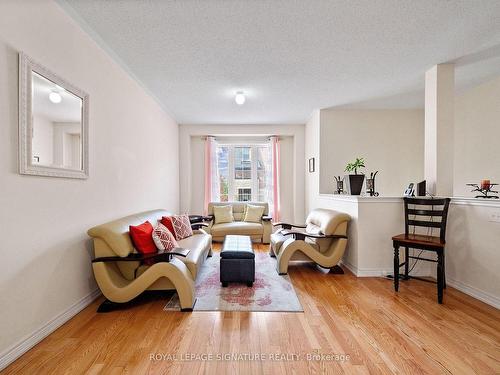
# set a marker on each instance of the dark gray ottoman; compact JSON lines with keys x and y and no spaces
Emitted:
{"x":237,"y":261}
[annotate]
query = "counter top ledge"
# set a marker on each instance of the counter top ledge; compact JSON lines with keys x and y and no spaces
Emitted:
{"x":471,"y":201}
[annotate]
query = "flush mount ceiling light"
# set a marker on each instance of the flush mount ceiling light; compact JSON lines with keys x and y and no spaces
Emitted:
{"x":55,"y":97}
{"x":239,"y":98}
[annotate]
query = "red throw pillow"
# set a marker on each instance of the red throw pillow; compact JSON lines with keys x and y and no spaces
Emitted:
{"x":182,"y":226}
{"x":142,"y":237}
{"x":167,"y":221}
{"x":163,"y":238}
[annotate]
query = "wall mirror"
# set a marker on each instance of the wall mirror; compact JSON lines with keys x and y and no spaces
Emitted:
{"x":53,"y":123}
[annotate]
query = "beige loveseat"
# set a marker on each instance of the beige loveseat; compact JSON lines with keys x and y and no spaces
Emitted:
{"x":258,"y":232}
{"x":124,"y":280}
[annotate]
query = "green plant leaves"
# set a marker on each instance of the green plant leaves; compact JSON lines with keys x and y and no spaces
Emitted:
{"x":355,"y":165}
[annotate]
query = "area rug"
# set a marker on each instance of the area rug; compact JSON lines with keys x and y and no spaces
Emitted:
{"x":270,"y":291}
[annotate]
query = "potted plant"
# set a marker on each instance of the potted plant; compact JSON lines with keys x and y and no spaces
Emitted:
{"x":356,"y":180}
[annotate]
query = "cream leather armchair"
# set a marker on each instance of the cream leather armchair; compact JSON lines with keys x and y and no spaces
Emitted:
{"x":121,"y":281}
{"x":258,"y":232}
{"x":323,"y":240}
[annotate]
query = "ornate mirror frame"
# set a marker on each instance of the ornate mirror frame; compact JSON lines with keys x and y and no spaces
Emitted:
{"x":26,"y":68}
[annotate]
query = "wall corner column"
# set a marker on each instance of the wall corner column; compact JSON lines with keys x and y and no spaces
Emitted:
{"x":439,"y":129}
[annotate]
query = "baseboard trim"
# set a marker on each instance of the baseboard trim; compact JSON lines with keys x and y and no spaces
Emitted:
{"x":375,"y":272}
{"x":485,"y":297}
{"x":29,"y":341}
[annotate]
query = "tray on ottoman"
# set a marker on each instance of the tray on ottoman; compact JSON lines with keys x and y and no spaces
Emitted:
{"x":237,"y":261}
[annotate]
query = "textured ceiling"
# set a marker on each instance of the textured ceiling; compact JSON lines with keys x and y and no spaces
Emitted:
{"x":291,"y":57}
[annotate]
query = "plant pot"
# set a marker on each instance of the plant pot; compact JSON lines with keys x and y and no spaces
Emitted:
{"x":356,"y":183}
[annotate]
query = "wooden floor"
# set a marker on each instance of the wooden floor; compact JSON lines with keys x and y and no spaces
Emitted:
{"x":380,"y":331}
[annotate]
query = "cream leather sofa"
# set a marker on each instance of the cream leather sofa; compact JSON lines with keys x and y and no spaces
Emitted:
{"x":323,"y":240}
{"x":258,"y":232}
{"x":124,"y":280}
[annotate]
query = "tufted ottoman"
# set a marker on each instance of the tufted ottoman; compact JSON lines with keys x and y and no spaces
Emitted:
{"x":237,"y":261}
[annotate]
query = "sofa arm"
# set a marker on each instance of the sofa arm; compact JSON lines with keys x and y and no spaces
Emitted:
{"x":159,"y":256}
{"x":267,"y":218}
{"x":267,"y":227}
{"x":197,"y":226}
{"x":288,"y":225}
{"x":193,"y":219}
{"x":302,"y":235}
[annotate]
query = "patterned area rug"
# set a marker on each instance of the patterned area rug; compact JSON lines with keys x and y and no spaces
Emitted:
{"x":270,"y":291}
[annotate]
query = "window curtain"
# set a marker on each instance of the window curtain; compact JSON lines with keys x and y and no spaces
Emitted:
{"x":211,"y":173}
{"x":275,"y":178}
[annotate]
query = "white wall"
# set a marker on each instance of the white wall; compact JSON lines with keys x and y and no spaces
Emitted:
{"x":477,"y":137}
{"x":292,"y":166}
{"x":472,"y":257}
{"x":391,"y":141}
{"x":473,"y":238}
{"x":133,"y":167}
{"x":311,"y":140}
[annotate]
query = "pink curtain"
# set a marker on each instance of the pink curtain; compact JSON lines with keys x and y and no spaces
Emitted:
{"x":275,"y":155}
{"x":210,"y":172}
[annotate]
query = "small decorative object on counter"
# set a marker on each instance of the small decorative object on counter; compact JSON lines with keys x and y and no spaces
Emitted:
{"x":356,"y":180}
{"x":340,"y":184}
{"x":370,"y":185}
{"x":485,"y":189}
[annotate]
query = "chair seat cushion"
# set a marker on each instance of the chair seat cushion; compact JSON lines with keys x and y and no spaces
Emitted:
{"x":237,"y":227}
{"x":198,"y":245}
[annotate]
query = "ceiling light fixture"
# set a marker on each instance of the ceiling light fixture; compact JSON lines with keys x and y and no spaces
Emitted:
{"x":55,"y":97}
{"x":239,"y":98}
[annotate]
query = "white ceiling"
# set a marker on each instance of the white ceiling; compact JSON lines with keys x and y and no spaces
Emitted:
{"x":291,"y":57}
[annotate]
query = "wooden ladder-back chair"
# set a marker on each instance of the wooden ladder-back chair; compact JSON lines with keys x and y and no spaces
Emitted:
{"x":423,"y":212}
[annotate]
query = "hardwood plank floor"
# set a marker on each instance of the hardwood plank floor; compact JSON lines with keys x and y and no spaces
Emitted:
{"x":381,"y":331}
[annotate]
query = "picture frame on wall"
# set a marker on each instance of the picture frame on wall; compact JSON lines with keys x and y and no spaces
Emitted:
{"x":311,"y":165}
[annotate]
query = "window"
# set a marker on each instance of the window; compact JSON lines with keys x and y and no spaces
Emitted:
{"x":244,"y":195}
{"x":244,"y":172}
{"x":242,"y":163}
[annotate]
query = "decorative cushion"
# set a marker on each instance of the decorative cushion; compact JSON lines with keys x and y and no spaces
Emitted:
{"x":253,"y":214}
{"x":163,"y":238}
{"x":182,"y":226}
{"x":223,"y":214}
{"x":142,"y":238}
{"x":167,"y":221}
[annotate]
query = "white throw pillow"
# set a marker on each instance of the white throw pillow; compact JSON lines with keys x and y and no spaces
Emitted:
{"x":223,"y":214}
{"x":253,"y":214}
{"x":163,"y":239}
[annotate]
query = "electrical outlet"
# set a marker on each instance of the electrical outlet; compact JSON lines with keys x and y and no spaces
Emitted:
{"x":495,"y":216}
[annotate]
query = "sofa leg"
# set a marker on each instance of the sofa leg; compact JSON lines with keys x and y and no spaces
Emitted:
{"x":108,"y":306}
{"x":337,"y":270}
